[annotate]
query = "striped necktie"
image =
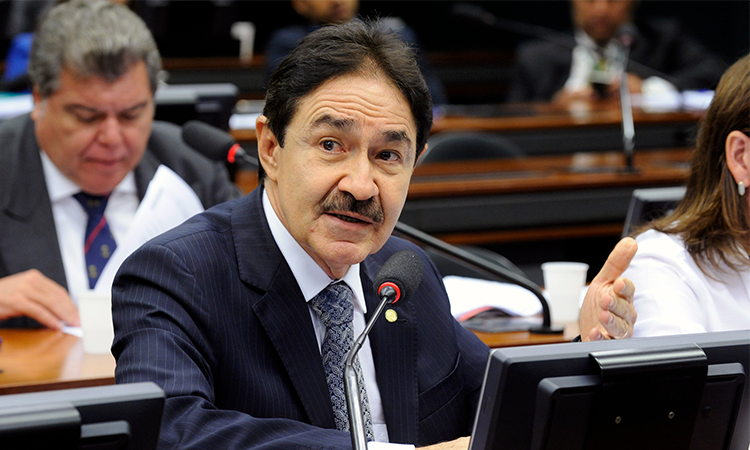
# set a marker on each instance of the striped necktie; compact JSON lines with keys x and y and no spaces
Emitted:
{"x":99,"y":243}
{"x":335,"y":309}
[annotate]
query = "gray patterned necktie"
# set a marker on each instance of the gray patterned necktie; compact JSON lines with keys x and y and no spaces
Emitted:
{"x":334,"y":307}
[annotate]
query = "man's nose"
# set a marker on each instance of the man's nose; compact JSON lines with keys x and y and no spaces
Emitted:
{"x":359,"y":179}
{"x":110,"y":131}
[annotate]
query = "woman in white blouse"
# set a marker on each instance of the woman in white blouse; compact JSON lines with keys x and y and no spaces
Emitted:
{"x":692,"y":269}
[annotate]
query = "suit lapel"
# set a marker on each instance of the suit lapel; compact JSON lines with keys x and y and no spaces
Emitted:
{"x":394,"y":354}
{"x":30,"y":236}
{"x":282,"y":310}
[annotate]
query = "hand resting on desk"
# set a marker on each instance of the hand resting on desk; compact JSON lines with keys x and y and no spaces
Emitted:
{"x":32,"y":294}
{"x":607,"y":311}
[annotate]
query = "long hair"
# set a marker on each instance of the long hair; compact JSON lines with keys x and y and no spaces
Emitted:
{"x":712,"y":219}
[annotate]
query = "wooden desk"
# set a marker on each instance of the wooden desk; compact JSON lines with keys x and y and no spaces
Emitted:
{"x":518,"y":338}
{"x":535,"y":197}
{"x":42,"y":360}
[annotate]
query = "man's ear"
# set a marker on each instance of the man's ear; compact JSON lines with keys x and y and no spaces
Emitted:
{"x":421,"y":154}
{"x":268,"y":146}
{"x":737,"y":148}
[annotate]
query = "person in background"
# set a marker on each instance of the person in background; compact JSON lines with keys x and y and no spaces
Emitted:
{"x":244,"y":313}
{"x":90,"y":140}
{"x":692,"y":267}
{"x":318,"y":13}
{"x":587,"y":65}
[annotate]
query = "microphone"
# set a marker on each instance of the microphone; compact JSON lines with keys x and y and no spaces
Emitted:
{"x":395,"y":281}
{"x":214,"y":143}
{"x":626,"y":108}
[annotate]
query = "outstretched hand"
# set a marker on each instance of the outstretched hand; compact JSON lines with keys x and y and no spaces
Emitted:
{"x":608,"y":311}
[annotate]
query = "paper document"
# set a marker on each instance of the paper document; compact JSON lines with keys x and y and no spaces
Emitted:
{"x":168,"y":202}
{"x":468,"y":295}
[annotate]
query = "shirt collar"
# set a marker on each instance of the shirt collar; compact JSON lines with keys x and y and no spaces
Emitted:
{"x":59,"y":186}
{"x":309,"y":275}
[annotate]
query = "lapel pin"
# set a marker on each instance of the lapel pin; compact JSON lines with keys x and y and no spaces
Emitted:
{"x":391,"y":315}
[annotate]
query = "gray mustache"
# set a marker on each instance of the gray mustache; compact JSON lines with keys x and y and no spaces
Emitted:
{"x":339,"y":201}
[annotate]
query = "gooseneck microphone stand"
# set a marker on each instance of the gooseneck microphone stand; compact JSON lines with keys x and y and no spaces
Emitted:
{"x":494,"y":270}
{"x":351,"y":385}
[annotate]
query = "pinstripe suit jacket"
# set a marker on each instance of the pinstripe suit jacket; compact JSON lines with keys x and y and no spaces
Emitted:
{"x":211,"y":312}
{"x":28,"y":238}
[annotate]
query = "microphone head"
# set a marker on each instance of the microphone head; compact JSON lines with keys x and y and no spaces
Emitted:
{"x":625,"y":35}
{"x":402,"y":272}
{"x":211,"y":142}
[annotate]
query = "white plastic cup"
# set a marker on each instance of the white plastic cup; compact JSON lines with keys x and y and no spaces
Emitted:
{"x":95,"y":310}
{"x":563,"y":284}
{"x":245,"y":33}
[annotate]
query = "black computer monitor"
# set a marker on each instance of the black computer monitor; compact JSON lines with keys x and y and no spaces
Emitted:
{"x":649,"y":204}
{"x":212,"y":103}
{"x":675,"y":392}
{"x":117,"y":417}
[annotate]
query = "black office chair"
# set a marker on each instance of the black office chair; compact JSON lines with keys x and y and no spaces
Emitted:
{"x":469,"y":145}
{"x":649,"y":204}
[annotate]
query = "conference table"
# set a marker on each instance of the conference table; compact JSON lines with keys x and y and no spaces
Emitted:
{"x":42,"y":360}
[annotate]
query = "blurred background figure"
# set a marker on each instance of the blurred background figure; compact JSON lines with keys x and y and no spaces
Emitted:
{"x":317,"y":13}
{"x":23,"y":16}
{"x":660,"y":57}
{"x":691,"y":268}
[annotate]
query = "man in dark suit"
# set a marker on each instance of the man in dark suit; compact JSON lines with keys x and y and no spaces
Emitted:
{"x":94,"y":67}
{"x":586,"y":66}
{"x":228,"y":312}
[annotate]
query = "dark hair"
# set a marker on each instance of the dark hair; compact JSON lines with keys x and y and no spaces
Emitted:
{"x":90,"y":38}
{"x":337,"y":50}
{"x":712,"y":218}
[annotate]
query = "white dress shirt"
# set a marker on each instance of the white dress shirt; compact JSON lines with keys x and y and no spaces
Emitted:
{"x":70,"y":219}
{"x":673,"y":296}
{"x":312,"y":279}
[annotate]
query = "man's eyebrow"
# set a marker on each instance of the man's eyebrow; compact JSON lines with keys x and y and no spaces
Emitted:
{"x":134,"y":107}
{"x":399,"y":136}
{"x":77,"y":107}
{"x":348,"y":125}
{"x":338,"y":123}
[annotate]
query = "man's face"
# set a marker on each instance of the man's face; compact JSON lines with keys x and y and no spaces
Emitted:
{"x":93,"y":130}
{"x":326,"y":11}
{"x":601,"y":19}
{"x":340,"y":181}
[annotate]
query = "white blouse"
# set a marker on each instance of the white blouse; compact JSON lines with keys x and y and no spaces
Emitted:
{"x":673,"y":296}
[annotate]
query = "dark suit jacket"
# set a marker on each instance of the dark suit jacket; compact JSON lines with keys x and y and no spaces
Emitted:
{"x":28,"y":238}
{"x":211,"y":312}
{"x":660,"y":47}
